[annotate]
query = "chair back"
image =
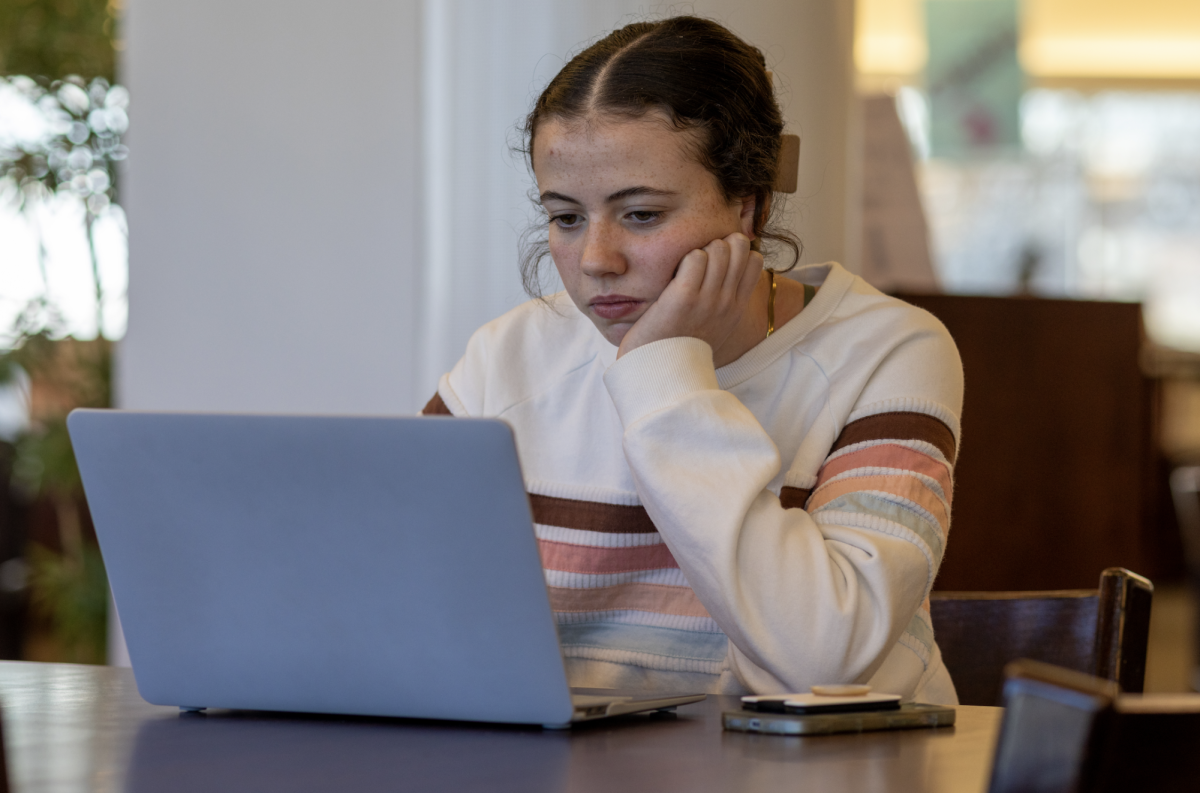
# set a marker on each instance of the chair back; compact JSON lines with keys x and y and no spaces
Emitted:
{"x":1100,"y":632}
{"x":1053,"y":731}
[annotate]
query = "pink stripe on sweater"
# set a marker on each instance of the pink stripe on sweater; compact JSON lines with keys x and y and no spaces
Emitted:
{"x":889,"y":455}
{"x":907,"y":487}
{"x":592,"y":559}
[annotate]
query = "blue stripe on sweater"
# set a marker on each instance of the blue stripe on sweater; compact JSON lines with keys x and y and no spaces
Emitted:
{"x":919,"y":629}
{"x":868,"y":504}
{"x":668,"y":642}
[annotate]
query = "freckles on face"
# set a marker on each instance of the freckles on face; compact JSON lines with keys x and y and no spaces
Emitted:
{"x":627,"y":201}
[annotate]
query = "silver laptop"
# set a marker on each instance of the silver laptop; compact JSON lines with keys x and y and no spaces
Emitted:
{"x":370,"y":566}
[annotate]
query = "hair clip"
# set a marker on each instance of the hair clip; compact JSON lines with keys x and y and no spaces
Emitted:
{"x":788,"y":173}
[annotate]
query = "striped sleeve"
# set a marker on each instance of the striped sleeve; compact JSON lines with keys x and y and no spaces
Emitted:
{"x":888,"y":470}
{"x":898,"y":466}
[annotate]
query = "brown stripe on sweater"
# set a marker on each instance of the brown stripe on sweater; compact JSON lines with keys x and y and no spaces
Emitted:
{"x":905,"y":426}
{"x":436,"y":407}
{"x":568,"y":513}
{"x":794,"y":497}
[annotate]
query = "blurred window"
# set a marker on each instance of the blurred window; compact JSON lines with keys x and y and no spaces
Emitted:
{"x":1101,"y":199}
{"x":63,"y":241}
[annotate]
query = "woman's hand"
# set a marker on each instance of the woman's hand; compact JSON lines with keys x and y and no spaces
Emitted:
{"x":705,"y":300}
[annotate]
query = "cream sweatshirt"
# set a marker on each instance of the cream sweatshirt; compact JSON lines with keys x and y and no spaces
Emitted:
{"x":759,"y":528}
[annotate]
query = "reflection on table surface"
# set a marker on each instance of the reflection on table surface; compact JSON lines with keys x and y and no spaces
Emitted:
{"x":81,"y":728}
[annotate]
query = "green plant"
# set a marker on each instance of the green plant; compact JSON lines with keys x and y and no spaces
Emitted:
{"x":53,"y":41}
{"x":69,"y":588}
{"x":71,"y":591}
{"x":54,"y":38}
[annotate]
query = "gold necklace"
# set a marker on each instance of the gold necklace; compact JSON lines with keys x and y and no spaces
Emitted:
{"x":771,"y":305}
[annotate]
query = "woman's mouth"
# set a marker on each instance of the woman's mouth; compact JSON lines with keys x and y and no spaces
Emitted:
{"x":614,"y":306}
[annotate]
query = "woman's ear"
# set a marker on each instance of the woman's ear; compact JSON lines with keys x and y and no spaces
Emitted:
{"x":746,"y":216}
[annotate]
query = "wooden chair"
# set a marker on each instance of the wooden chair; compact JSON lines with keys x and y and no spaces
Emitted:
{"x":1066,"y":732}
{"x":1053,"y":731}
{"x":1101,"y":632}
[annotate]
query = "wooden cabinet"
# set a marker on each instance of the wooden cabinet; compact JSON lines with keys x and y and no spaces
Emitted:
{"x":1059,"y":474}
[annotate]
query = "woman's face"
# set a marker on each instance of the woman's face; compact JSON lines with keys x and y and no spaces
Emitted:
{"x":626,"y":203}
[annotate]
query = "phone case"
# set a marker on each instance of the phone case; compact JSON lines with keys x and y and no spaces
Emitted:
{"x":815,"y":703}
{"x":910,"y":715}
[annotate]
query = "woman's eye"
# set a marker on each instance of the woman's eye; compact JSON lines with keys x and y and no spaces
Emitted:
{"x":644,"y":216}
{"x":565,"y":221}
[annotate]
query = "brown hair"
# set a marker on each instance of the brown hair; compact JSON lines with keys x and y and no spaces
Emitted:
{"x":705,"y":80}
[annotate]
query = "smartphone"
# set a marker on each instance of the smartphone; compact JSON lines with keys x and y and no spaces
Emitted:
{"x":908,"y":716}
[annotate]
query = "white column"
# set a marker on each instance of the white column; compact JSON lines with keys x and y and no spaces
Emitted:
{"x":272,"y":207}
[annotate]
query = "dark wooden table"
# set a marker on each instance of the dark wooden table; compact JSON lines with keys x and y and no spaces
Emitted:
{"x":69,"y":728}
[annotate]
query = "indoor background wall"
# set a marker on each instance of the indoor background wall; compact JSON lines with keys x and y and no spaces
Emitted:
{"x":322,"y":200}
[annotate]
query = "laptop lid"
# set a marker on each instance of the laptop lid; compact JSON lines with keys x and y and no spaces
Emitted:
{"x":374,"y":566}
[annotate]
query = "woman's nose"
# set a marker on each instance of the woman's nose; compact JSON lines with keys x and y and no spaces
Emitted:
{"x":602,"y":254}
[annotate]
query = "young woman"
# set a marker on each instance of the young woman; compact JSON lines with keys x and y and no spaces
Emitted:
{"x":741,"y":483}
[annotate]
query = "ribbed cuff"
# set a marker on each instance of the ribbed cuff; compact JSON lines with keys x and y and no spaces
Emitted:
{"x":657,"y":375}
